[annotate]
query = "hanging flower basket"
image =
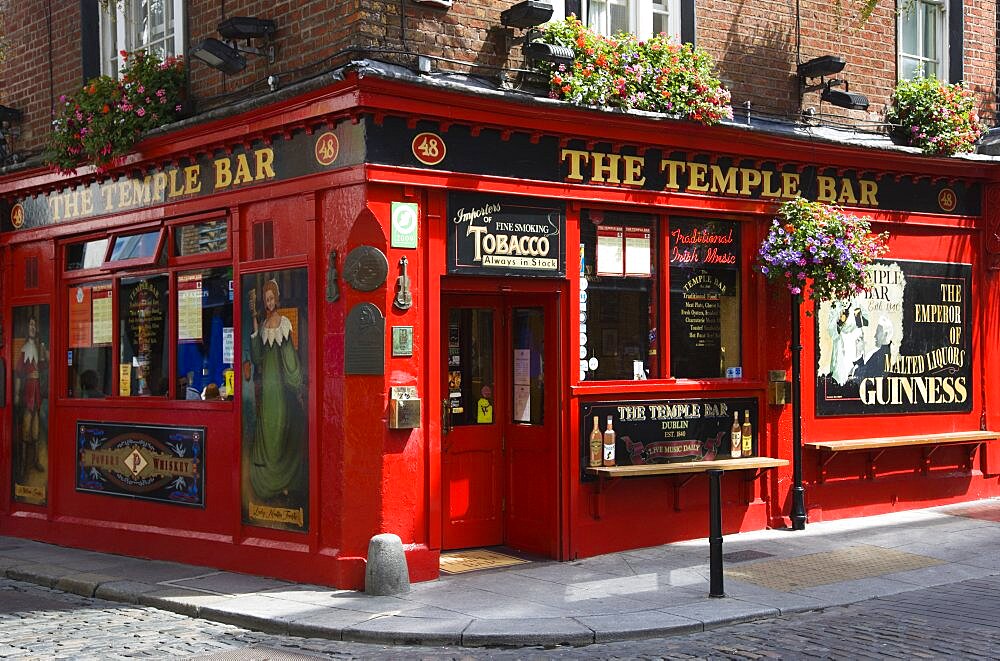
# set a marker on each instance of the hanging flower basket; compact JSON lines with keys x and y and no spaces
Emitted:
{"x":101,"y":123}
{"x":938,"y":118}
{"x":657,"y":75}
{"x":820,"y":245}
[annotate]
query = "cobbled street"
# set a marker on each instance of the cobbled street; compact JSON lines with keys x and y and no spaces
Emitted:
{"x":960,"y":620}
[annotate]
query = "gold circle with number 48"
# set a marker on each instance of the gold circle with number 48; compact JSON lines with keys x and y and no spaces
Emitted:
{"x":327,"y":148}
{"x":428,"y":148}
{"x":947,"y":200}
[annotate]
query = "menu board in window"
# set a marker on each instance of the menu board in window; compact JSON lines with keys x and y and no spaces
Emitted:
{"x":624,"y":251}
{"x":100,"y":299}
{"x":610,"y":250}
{"x":79,"y":317}
{"x":189,"y":298}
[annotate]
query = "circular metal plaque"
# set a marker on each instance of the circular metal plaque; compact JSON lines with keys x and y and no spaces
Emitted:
{"x":365,"y":268}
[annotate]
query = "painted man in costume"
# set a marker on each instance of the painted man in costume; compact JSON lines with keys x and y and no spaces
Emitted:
{"x":278,"y":455}
{"x":28,"y":395}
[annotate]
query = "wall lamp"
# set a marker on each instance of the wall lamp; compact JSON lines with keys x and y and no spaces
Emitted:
{"x":10,"y":115}
{"x":827,"y":65}
{"x":843,"y":98}
{"x":227,"y":56}
{"x":528,"y":15}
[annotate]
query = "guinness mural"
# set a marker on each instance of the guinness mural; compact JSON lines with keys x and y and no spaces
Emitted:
{"x":902,"y":347}
{"x":493,"y":235}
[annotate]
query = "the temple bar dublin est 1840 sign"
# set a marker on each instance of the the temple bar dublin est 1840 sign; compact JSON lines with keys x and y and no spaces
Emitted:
{"x":505,"y":236}
{"x":668,"y":431}
{"x":903,"y":347}
{"x":151,"y":462}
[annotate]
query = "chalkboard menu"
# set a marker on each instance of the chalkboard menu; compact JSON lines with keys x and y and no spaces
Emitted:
{"x":704,"y":294}
{"x":668,"y":431}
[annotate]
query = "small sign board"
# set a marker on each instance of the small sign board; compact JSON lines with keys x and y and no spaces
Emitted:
{"x":404,"y":222}
{"x":150,"y":462}
{"x":364,"y":340}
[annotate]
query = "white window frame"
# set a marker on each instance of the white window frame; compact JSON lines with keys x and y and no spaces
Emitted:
{"x":906,"y":7}
{"x":640,"y":16}
{"x":117,"y":36}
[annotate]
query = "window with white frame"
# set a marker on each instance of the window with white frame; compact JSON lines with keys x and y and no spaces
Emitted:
{"x":129,"y":25}
{"x":923,"y":38}
{"x":644,"y":18}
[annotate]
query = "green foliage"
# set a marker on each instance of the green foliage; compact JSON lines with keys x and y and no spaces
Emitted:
{"x":104,"y":119}
{"x":820,"y":244}
{"x":622,"y":72}
{"x":939,"y":118}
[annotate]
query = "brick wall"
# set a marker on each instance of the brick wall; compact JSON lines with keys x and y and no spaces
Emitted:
{"x":753,"y":42}
{"x":39,"y":67}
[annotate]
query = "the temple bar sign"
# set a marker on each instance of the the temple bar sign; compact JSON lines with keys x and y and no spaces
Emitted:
{"x":715,"y":178}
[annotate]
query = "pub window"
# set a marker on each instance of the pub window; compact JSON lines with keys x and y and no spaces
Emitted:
{"x":704,"y":297}
{"x":129,"y":250}
{"x":143,"y":317}
{"x":90,"y":328}
{"x":201,"y":238}
{"x":86,"y":255}
{"x":622,"y":328}
{"x":205,"y":334}
{"x":161,"y":325}
{"x":618,"y":307}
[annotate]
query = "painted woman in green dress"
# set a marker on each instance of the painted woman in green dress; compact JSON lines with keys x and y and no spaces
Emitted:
{"x":278,"y":457}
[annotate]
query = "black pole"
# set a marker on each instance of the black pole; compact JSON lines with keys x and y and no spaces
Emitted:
{"x":798,"y":491}
{"x":715,"y":588}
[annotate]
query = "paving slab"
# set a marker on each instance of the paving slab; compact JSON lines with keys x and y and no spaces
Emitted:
{"x":402,"y":630}
{"x":84,"y":584}
{"x":629,"y":626}
{"x":522,"y":633}
{"x":38,"y":573}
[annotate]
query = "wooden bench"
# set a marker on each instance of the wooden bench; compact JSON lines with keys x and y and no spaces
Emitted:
{"x":608,"y":475}
{"x":876,"y":447}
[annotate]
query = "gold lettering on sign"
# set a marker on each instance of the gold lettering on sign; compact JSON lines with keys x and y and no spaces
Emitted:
{"x":620,"y":169}
{"x":277,"y":514}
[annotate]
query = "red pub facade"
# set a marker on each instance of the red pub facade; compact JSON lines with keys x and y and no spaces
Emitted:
{"x":387,"y":302}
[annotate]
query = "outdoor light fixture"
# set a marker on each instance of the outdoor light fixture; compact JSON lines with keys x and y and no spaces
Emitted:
{"x":538,"y":50}
{"x":526,"y":14}
{"x":9,"y":115}
{"x":227,"y":56}
{"x":827,"y":65}
{"x":843,"y":98}
{"x":246,"y":27}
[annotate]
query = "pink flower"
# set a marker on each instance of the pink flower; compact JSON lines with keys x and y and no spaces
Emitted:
{"x":141,"y":112}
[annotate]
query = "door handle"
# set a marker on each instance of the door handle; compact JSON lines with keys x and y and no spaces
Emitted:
{"x":445,"y":417}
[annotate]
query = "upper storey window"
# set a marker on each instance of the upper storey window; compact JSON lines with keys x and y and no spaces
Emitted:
{"x":129,"y":25}
{"x":644,"y":18}
{"x":923,"y":38}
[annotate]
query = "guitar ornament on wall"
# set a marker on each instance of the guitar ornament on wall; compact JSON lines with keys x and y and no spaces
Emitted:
{"x":404,"y":299}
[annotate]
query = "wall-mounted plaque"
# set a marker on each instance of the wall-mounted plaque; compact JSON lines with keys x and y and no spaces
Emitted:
{"x":365,"y":268}
{"x":364,"y":340}
{"x":402,"y":341}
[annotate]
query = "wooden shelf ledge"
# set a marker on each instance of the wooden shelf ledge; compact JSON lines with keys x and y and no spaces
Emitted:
{"x":876,"y":447}
{"x":682,"y":472}
{"x":676,"y":468}
{"x":905,"y":441}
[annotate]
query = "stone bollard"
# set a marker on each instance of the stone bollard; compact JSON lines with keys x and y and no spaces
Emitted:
{"x":386,"y":572}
